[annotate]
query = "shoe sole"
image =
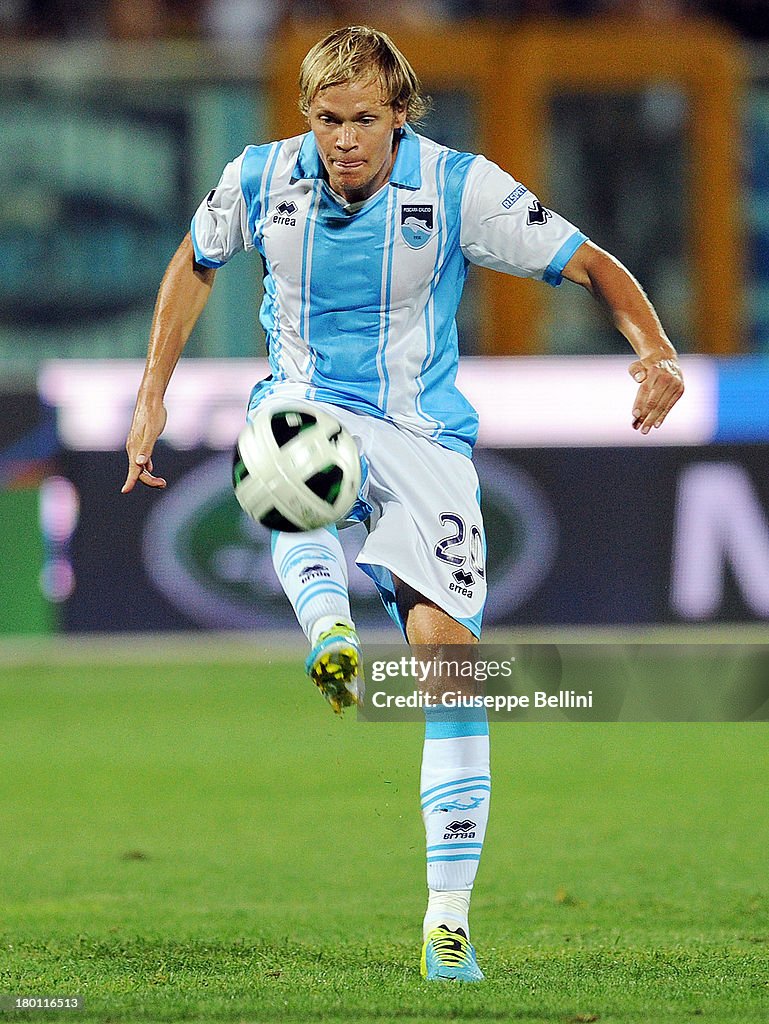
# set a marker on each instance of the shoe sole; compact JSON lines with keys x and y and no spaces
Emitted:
{"x":331,"y":673}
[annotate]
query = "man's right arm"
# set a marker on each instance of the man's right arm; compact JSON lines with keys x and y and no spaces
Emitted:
{"x":181,"y":299}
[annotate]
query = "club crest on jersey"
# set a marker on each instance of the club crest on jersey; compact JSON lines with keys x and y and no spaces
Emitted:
{"x":416,"y":225}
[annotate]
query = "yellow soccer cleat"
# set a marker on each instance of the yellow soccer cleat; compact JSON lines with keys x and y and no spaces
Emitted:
{"x":335,"y":665}
{"x":449,"y":956}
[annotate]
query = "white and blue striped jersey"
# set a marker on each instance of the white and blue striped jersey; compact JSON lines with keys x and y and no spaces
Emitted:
{"x":360,"y":300}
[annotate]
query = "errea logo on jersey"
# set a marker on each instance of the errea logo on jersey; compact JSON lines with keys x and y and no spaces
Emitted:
{"x":284,"y":214}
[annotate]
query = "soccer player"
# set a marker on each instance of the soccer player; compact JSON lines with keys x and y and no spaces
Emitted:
{"x":365,"y":230}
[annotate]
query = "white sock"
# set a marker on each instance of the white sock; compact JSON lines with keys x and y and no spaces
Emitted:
{"x":312,"y":570}
{"x":450,"y":908}
{"x":455,"y":791}
{"x":324,"y":623}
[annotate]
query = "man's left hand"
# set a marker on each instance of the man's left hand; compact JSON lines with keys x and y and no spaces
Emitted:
{"x":662,"y":384}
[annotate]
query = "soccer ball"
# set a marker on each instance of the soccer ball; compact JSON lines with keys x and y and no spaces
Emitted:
{"x":295,"y":469}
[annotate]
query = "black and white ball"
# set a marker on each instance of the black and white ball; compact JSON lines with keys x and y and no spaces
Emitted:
{"x":295,"y":469}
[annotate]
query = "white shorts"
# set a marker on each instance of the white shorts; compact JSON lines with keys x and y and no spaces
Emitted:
{"x":424,"y":515}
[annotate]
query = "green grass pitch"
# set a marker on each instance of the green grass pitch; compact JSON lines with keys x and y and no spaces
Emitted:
{"x":208,"y":843}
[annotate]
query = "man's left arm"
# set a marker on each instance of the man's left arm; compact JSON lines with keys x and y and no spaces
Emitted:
{"x":656,"y":369}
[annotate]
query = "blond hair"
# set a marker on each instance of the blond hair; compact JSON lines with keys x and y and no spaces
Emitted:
{"x":360,"y":53}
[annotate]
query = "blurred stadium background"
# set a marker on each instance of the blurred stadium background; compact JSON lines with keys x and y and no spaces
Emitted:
{"x":645,"y":124}
{"x":135,"y":861}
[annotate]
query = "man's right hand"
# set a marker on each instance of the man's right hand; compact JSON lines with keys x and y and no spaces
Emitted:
{"x":182,"y":296}
{"x":148,"y":423}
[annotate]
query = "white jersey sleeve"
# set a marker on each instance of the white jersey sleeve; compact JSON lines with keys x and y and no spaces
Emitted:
{"x":220,"y":228}
{"x":505,"y":227}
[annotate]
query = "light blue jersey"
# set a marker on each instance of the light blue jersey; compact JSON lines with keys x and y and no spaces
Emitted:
{"x":360,"y":299}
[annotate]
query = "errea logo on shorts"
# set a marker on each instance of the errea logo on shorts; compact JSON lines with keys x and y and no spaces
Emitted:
{"x":463,"y":582}
{"x":284,"y":214}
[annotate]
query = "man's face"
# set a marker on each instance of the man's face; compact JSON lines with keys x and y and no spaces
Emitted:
{"x":353,"y":131}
